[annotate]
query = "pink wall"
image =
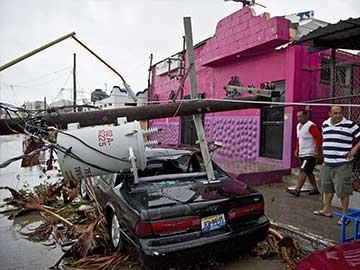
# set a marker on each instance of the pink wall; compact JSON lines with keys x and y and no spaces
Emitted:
{"x":242,"y":32}
{"x":244,"y":46}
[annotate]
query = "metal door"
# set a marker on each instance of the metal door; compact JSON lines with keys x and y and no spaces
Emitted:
{"x":272,"y":126}
{"x":188,"y":130}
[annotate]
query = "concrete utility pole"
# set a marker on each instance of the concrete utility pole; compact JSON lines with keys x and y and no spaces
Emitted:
{"x":103,"y":117}
{"x":194,"y":95}
{"x":23,"y":57}
{"x":74,"y":82}
{"x":149,"y":74}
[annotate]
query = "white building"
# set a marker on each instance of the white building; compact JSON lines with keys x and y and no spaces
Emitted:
{"x":34,"y":105}
{"x":119,"y":98}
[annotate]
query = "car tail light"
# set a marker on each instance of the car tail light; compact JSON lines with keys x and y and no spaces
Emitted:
{"x":167,"y":226}
{"x":143,"y":229}
{"x":246,"y":210}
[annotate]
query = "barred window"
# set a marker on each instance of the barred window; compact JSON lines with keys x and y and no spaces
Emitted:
{"x":325,"y":71}
{"x":343,"y":73}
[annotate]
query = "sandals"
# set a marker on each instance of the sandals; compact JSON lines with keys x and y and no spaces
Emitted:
{"x":297,"y":193}
{"x":294,"y":192}
{"x":314,"y":192}
{"x":340,"y":222}
{"x":322,"y":214}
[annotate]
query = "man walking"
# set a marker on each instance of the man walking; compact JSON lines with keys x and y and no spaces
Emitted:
{"x":308,"y":145}
{"x":335,"y":175}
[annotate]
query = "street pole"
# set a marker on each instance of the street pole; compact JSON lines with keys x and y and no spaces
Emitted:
{"x":149,"y":74}
{"x":194,"y":95}
{"x":74,"y":83}
{"x":23,"y":57}
{"x":157,"y":111}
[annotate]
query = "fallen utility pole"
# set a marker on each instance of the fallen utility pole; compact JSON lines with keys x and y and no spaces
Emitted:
{"x":72,"y":34}
{"x":23,"y":57}
{"x":194,"y":96}
{"x":102,"y":117}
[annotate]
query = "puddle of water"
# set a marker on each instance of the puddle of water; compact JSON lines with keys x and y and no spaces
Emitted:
{"x":15,"y":251}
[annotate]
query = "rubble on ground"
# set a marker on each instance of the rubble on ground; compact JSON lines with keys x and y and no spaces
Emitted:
{"x":81,"y":229}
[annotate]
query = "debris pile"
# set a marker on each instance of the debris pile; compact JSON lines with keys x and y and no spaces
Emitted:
{"x":277,"y":244}
{"x":81,"y":229}
{"x":77,"y":225}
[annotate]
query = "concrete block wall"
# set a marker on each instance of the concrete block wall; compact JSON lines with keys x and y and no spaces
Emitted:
{"x":241,"y":31}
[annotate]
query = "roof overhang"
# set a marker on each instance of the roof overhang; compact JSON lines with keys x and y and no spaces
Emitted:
{"x":342,"y":35}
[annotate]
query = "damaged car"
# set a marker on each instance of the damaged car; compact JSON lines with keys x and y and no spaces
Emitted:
{"x":173,"y":209}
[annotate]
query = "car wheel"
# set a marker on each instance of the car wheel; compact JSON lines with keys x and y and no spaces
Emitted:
{"x":115,"y":234}
{"x":83,"y":190}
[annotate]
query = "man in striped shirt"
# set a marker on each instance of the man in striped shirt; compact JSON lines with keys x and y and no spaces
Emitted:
{"x":338,"y":150}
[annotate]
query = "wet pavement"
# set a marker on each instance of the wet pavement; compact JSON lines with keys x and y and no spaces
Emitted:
{"x":282,"y":207}
{"x":15,"y":251}
{"x":18,"y":253}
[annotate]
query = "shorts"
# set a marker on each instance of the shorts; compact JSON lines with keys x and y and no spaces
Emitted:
{"x":307,"y":164}
{"x":336,"y":179}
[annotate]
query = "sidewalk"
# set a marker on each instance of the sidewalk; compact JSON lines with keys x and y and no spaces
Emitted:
{"x":290,"y":214}
{"x":296,"y":214}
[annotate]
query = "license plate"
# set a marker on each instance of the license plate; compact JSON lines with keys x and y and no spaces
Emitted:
{"x":212,"y":222}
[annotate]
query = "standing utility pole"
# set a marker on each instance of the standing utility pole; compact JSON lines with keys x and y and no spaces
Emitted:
{"x":74,"y":82}
{"x":149,"y":74}
{"x":194,"y":95}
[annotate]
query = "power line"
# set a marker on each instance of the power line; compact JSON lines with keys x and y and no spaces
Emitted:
{"x":44,"y":75}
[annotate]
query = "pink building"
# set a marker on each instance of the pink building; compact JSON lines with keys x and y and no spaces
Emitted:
{"x":250,"y":50}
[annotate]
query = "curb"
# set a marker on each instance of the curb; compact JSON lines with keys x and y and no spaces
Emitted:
{"x":309,"y":242}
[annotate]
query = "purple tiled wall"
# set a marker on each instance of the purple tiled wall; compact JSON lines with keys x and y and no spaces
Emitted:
{"x":239,"y":136}
{"x":169,"y":133}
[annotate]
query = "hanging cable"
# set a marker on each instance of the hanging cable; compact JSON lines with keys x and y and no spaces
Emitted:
{"x":74,"y":156}
{"x":33,"y":153}
{"x":89,"y":146}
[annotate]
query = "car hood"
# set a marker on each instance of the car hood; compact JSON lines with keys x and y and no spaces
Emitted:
{"x":196,"y":192}
{"x":343,"y":256}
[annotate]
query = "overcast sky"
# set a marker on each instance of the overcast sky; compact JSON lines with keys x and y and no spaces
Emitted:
{"x":124,"y":33}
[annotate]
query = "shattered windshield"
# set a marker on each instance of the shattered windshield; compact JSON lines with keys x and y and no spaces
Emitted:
{"x":175,"y":168}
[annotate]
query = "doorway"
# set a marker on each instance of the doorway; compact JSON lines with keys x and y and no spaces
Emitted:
{"x":272,"y":126}
{"x":188,"y":130}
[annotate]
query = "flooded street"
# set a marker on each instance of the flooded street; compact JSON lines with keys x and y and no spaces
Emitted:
{"x":18,"y":253}
{"x":15,"y":251}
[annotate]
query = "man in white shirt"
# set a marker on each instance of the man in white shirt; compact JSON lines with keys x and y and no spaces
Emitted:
{"x":308,"y":145}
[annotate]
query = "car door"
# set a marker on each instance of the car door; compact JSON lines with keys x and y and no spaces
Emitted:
{"x":103,"y":185}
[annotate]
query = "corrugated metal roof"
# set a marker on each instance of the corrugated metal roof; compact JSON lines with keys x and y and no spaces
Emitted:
{"x":342,"y":35}
{"x":307,"y":26}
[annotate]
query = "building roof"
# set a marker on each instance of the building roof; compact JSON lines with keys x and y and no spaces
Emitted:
{"x":307,"y":26}
{"x":342,"y":35}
